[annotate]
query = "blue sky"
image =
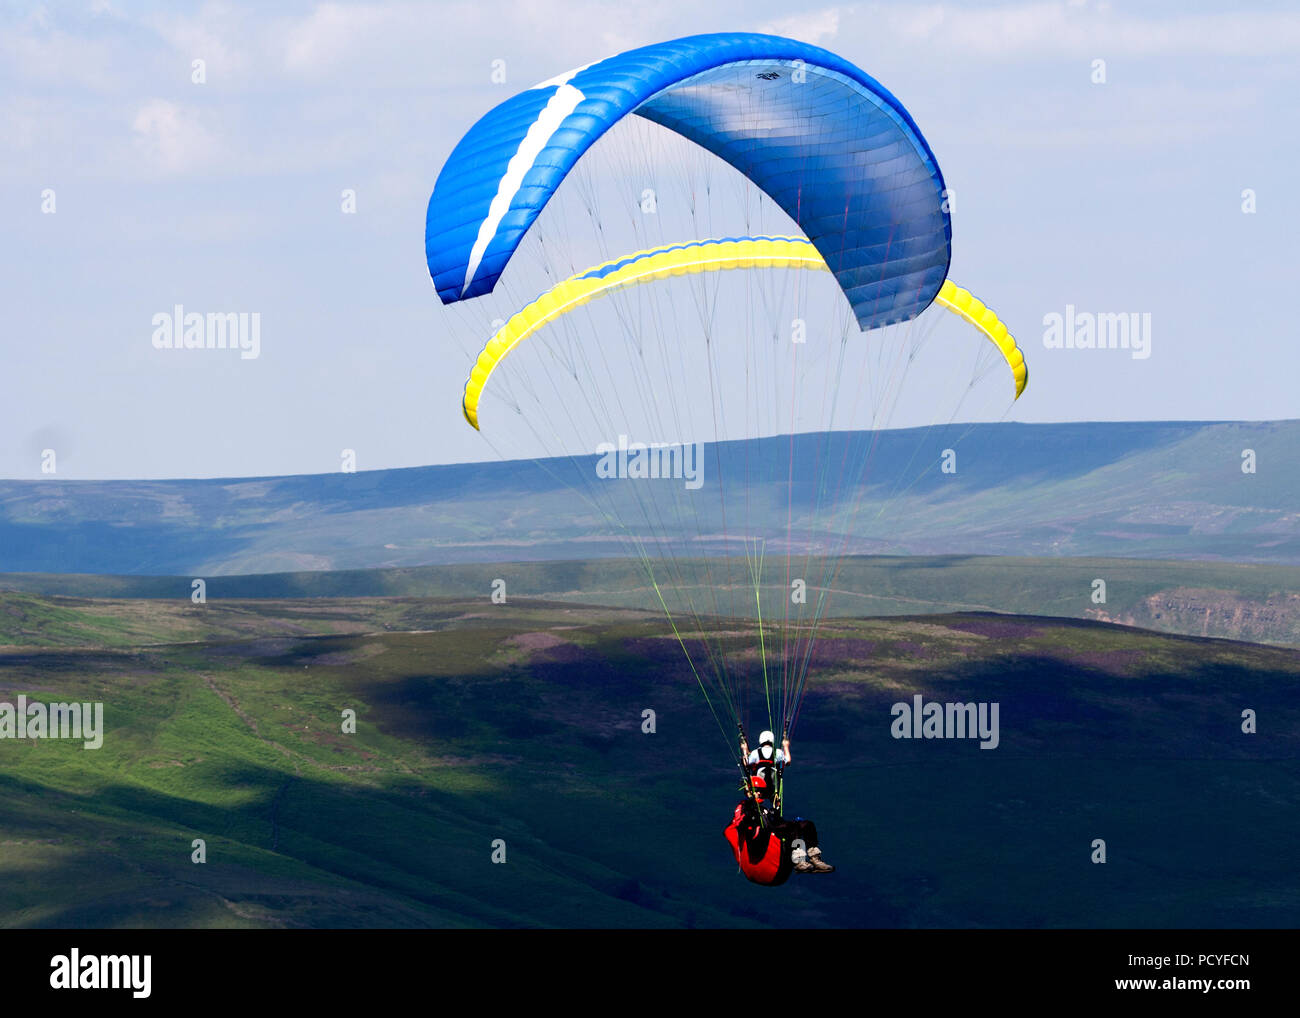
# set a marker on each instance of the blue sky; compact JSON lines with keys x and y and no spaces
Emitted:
{"x":1117,"y":197}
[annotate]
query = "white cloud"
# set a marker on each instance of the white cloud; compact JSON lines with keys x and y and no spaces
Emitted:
{"x":817,"y":27}
{"x":1053,"y":29}
{"x":416,"y":41}
{"x":37,"y":53}
{"x":227,"y":39}
{"x":170,"y":137}
{"x":332,"y":31}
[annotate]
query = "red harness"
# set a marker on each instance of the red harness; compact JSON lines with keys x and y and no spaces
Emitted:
{"x":762,"y":854}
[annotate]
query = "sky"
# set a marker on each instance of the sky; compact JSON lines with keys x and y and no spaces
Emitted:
{"x":128,"y":187}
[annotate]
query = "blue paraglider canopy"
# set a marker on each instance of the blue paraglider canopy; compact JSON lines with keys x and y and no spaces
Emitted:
{"x":829,"y":144}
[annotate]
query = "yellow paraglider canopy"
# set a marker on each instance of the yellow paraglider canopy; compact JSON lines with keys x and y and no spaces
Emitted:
{"x":703,"y":256}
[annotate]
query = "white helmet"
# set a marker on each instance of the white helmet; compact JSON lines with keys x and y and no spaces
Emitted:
{"x":766,"y":739}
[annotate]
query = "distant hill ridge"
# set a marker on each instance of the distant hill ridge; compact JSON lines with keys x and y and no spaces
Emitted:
{"x":1169,"y":490}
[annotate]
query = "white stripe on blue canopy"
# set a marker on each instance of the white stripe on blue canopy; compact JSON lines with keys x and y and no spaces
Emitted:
{"x":836,"y":151}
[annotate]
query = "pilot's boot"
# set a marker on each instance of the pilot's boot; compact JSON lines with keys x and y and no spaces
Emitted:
{"x":815,"y":863}
{"x":801,"y":864}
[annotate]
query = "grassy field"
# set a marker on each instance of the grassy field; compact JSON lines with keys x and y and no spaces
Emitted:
{"x":522,"y":722}
{"x":1254,"y":602}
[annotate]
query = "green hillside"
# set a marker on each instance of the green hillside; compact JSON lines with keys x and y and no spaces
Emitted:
{"x":522,"y":722}
{"x":1259,"y":603}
